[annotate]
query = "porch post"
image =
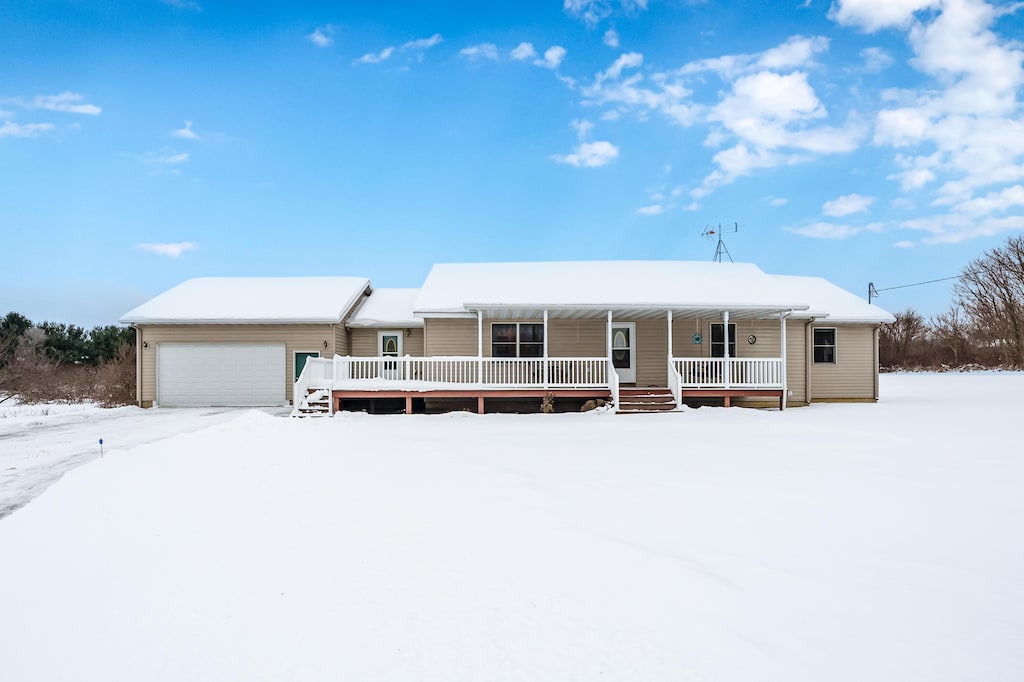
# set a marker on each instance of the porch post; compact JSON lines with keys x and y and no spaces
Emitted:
{"x":782,"y":336}
{"x":669,"y":315}
{"x":480,"y":346}
{"x":608,"y":339}
{"x":545,"y":349}
{"x":725,"y":355}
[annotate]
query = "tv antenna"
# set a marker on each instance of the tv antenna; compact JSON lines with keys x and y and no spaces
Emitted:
{"x":715,"y":232}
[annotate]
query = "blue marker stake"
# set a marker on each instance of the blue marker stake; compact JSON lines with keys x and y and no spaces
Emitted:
{"x":101,"y":447}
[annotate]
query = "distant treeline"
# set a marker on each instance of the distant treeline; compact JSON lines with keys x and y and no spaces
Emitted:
{"x":983,"y":328}
{"x":63,"y":362}
{"x":65,"y":343}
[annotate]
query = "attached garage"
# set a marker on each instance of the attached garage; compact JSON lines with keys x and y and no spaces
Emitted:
{"x":237,"y":341}
{"x":220,"y":374}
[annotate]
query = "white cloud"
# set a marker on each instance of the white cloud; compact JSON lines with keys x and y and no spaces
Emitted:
{"x":582,"y":127}
{"x":832,"y":231}
{"x":797,"y":52}
{"x":185,"y":133}
{"x":847,"y":204}
{"x":522,"y":52}
{"x":963,"y":131}
{"x":993,"y":202}
{"x":11,"y":129}
{"x":653,"y":209}
{"x":778,"y":201}
{"x":591,"y":12}
{"x":173,"y":250}
{"x":953,"y":228}
{"x":68,"y":102}
{"x":904,"y":244}
{"x":667,"y":95}
{"x":165,"y":160}
{"x":376,"y":57}
{"x":423,"y":43}
{"x":611,"y":115}
{"x":481,"y":51}
{"x":876,"y":59}
{"x":553,"y":57}
{"x":611,"y":38}
{"x":322,"y":36}
{"x":872,"y":15}
{"x":589,"y":155}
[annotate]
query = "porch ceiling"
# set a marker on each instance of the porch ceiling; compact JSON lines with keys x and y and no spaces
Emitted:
{"x":632,"y":313}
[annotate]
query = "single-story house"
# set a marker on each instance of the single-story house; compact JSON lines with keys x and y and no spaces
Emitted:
{"x":645,"y":335}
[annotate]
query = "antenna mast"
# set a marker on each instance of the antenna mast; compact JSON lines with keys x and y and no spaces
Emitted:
{"x":715,"y":232}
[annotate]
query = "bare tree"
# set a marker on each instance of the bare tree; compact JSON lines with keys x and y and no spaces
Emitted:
{"x":899,"y":343}
{"x":991,"y":292}
{"x":952,"y":334}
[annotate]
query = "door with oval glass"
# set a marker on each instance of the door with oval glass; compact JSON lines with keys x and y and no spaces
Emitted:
{"x":389,"y":345}
{"x":624,"y":351}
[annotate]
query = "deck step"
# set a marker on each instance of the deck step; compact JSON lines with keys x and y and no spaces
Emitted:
{"x":316,"y":403}
{"x":645,"y":400}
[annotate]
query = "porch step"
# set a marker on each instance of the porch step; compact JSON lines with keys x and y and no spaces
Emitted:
{"x":316,"y":403}
{"x":645,"y":400}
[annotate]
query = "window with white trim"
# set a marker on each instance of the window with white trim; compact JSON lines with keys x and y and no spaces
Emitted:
{"x":718,"y":340}
{"x":517,"y":340}
{"x":825,"y":345}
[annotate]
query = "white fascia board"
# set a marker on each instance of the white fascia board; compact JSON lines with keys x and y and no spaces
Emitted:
{"x":444,"y":314}
{"x":634,"y":306}
{"x":221,"y":320}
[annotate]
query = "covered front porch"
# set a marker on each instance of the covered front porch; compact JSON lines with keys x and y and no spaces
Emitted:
{"x":640,"y":348}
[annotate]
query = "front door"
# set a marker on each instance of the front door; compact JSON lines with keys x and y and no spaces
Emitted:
{"x":389,"y":345}
{"x":624,"y":351}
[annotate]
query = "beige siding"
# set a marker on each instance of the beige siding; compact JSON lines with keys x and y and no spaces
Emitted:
{"x":852,"y":376}
{"x":651,"y":345}
{"x":450,"y":337}
{"x":366,"y":343}
{"x":298,"y":337}
{"x":341,"y":340}
{"x":577,"y":338}
{"x":796,"y":365}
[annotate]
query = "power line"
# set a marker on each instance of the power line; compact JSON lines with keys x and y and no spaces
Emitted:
{"x":872,"y":291}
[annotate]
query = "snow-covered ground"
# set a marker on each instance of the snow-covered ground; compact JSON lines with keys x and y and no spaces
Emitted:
{"x":836,"y":542}
{"x":40,"y":443}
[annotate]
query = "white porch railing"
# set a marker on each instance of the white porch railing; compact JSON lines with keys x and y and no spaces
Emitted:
{"x":376,"y":373}
{"x":316,"y":373}
{"x":743,"y":372}
{"x":674,"y":383}
{"x":613,"y":383}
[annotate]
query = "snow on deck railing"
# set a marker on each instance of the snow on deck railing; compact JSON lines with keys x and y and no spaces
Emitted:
{"x":742,"y":372}
{"x":674,"y":383}
{"x":613,"y":383}
{"x":471,"y":371}
{"x":316,"y":373}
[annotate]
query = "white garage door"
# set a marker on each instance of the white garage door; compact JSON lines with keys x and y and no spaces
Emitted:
{"x":244,"y":374}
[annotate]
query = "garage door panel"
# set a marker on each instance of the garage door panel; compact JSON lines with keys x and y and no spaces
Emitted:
{"x":220,"y":374}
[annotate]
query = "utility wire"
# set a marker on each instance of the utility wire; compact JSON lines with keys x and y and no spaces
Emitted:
{"x":917,"y":284}
{"x":872,"y":291}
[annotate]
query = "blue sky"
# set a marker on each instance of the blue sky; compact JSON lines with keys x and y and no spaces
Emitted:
{"x":146,"y":142}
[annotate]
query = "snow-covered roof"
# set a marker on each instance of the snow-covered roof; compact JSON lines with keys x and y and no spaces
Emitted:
{"x":832,"y":302}
{"x":252,"y":300}
{"x":454,"y":288}
{"x":387,"y":307}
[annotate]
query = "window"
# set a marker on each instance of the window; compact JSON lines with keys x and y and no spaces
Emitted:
{"x":517,"y":340}
{"x":718,"y":340}
{"x":825,"y":345}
